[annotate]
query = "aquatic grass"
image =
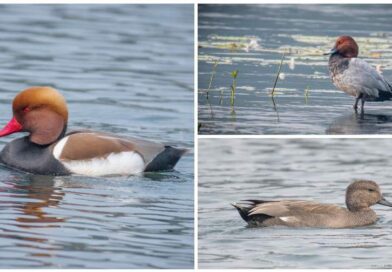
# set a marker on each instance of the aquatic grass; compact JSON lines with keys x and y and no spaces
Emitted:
{"x":277,"y":75}
{"x":209,"y":87}
{"x":273,"y":88}
{"x":233,"y":86}
{"x":212,"y":77}
{"x":306,"y":93}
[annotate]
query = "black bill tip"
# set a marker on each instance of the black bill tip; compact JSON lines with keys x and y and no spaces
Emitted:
{"x":384,"y":202}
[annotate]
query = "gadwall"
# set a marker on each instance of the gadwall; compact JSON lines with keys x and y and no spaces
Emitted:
{"x":360,"y":195}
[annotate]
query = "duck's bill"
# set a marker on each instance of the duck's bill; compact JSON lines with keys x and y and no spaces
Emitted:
{"x":330,"y":52}
{"x":385,"y":202}
{"x":12,"y":127}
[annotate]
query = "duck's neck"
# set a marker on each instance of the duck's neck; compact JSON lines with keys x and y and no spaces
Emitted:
{"x":61,"y":135}
{"x":338,"y":63}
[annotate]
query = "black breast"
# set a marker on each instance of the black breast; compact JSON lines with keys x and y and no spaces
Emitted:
{"x":26,"y":156}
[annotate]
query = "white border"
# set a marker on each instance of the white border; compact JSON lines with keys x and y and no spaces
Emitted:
{"x":296,"y":136}
{"x":196,"y":140}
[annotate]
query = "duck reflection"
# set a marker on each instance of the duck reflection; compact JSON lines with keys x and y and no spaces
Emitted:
{"x":355,"y":123}
{"x":41,"y":192}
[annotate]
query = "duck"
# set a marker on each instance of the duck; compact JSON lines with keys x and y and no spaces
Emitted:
{"x":355,"y":76}
{"x":360,"y":196}
{"x":48,"y":149}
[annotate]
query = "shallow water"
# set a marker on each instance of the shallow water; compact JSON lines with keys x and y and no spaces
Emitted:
{"x":125,"y":69}
{"x":311,"y":169}
{"x":252,"y":39}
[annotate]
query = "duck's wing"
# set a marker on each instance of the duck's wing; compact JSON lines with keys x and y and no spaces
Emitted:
{"x":362,"y":77}
{"x":292,"y":208}
{"x":89,"y":146}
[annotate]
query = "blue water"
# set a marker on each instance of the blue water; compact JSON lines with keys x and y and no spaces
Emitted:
{"x":124,"y":69}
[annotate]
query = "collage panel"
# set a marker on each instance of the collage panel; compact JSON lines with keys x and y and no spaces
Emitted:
{"x":294,"y":69}
{"x":294,"y":203}
{"x":97,"y":161}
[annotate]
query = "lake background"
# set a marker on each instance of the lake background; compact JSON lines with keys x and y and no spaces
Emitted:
{"x":124,"y":69}
{"x":310,"y":169}
{"x":252,"y":38}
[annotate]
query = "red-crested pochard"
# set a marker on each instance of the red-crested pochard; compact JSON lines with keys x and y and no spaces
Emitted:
{"x":49,"y":150}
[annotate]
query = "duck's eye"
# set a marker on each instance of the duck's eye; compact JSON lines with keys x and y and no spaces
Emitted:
{"x":370,"y":190}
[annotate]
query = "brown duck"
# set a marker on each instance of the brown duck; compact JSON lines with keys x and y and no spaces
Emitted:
{"x":360,"y":196}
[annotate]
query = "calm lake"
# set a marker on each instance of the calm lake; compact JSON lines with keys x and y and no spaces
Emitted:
{"x":251,"y":39}
{"x":124,"y":69}
{"x":310,"y":169}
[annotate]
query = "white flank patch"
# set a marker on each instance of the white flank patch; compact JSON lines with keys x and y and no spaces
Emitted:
{"x":287,"y":218}
{"x":58,"y":148}
{"x":124,"y":163}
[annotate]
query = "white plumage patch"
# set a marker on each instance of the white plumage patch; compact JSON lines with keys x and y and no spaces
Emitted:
{"x":288,"y":218}
{"x":58,"y":148}
{"x":124,"y":163}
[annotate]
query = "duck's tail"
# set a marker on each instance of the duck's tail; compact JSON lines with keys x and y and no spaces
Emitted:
{"x":166,"y":160}
{"x":385,"y":94}
{"x":245,"y":210}
{"x":242,"y":210}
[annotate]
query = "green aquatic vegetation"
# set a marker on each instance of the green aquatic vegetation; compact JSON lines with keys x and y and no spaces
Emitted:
{"x":277,"y":75}
{"x":306,"y":93}
{"x":231,"y":43}
{"x":273,"y":88}
{"x":212,"y":77}
{"x":234,"y":75}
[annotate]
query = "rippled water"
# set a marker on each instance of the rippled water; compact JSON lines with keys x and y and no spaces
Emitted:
{"x":309,"y":169}
{"x":126,"y":69}
{"x":252,"y":39}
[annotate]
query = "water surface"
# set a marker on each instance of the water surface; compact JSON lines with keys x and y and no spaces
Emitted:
{"x":311,"y":169}
{"x":124,"y":69}
{"x":252,"y":40}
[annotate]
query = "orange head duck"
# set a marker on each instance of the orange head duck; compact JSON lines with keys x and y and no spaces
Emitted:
{"x":48,"y":150}
{"x":355,"y":76}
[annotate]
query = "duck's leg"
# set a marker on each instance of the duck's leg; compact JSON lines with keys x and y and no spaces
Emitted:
{"x":362,"y":107}
{"x":355,"y":106}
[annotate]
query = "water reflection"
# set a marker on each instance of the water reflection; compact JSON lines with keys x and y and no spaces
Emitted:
{"x":355,"y":123}
{"x":43,"y":189}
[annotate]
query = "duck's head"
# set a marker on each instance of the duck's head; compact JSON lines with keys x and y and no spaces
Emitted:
{"x":345,"y":46}
{"x":41,"y":111}
{"x":362,"y":194}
